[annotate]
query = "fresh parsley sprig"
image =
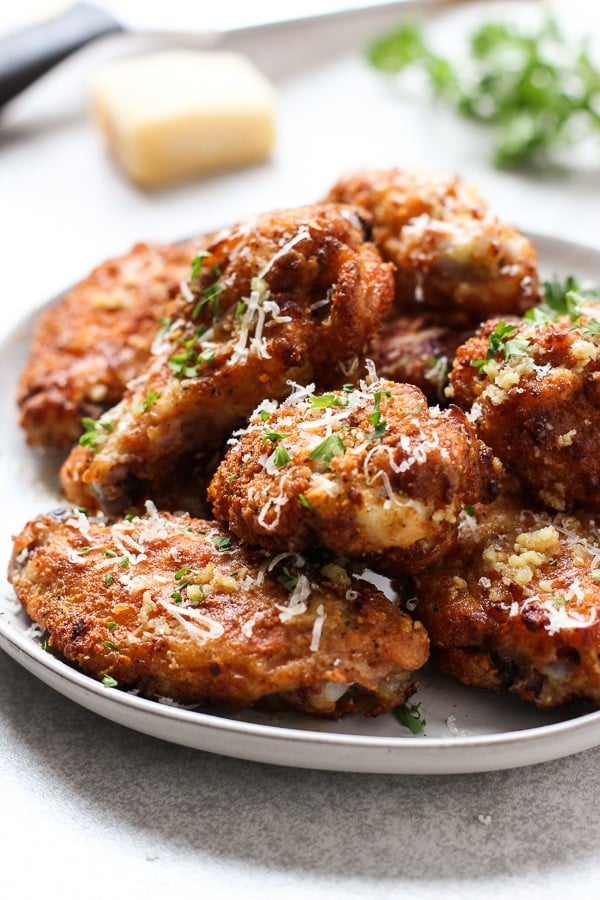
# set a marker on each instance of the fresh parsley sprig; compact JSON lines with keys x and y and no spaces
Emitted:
{"x":539,"y":92}
{"x":410,"y":717}
{"x":501,"y":340}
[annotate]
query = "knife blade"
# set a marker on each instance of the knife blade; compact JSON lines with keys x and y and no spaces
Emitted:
{"x":27,"y":54}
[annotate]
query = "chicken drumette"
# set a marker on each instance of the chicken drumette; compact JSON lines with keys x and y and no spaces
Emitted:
{"x":533,"y":391}
{"x":292,"y":294}
{"x":450,"y":252}
{"x":370,"y":473}
{"x":173,"y":606}
{"x":89,"y":345}
{"x":517,"y":604}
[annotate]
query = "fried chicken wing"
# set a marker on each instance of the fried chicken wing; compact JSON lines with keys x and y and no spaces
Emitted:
{"x":88,"y":346}
{"x":369,"y":473}
{"x":533,"y":389}
{"x":517,"y":605}
{"x":417,"y":350}
{"x":173,"y":606}
{"x":290,"y":294}
{"x":450,"y":252}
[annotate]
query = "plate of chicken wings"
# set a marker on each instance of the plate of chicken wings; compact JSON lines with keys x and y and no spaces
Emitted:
{"x":319,"y":488}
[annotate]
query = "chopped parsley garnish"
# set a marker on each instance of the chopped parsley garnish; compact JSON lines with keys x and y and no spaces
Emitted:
{"x":553,"y":563}
{"x":110,"y":553}
{"x":108,"y":580}
{"x":305,"y":503}
{"x":501,"y":340}
{"x":232,"y":478}
{"x":111,"y":626}
{"x":222,"y":544}
{"x":130,"y":517}
{"x":558,"y":602}
{"x":560,"y":299}
{"x":287,"y":580}
{"x":165,"y":323}
{"x":124,"y":562}
{"x":195,"y":593}
{"x":210,"y":295}
{"x":150,"y":398}
{"x":264,"y":415}
{"x":469,"y":510}
{"x":564,"y":299}
{"x":592,"y":328}
{"x":93,"y":431}
{"x":188,"y":364}
{"x":536,"y":89}
{"x":280,"y":456}
{"x":328,"y":448}
{"x":410,"y":717}
{"x":375,"y":417}
{"x":110,"y":646}
{"x":198,"y":264}
{"x":83,"y":550}
{"x":326,"y":401}
{"x":273,"y":436}
{"x":109,"y":682}
{"x":414,"y":411}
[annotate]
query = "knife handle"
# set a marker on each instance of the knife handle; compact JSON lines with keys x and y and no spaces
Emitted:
{"x":29,"y":53}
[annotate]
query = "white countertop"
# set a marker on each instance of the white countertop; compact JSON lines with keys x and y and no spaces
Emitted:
{"x":90,"y":809}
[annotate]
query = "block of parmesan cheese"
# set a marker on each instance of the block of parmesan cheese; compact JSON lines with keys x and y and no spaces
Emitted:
{"x":181,"y":113}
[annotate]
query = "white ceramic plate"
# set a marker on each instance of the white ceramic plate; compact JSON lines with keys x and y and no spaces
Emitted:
{"x":466,"y":730}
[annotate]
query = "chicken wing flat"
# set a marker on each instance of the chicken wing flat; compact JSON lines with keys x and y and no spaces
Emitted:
{"x":517,"y":605}
{"x":87,"y":347}
{"x":174,"y":607}
{"x":370,"y":473}
{"x":450,"y":252}
{"x":533,"y":391}
{"x":293,"y":294}
{"x":417,"y":350}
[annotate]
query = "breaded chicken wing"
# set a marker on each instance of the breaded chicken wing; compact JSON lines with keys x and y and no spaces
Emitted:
{"x":417,"y":350}
{"x":450,"y":252}
{"x":517,"y":605}
{"x":89,"y":345}
{"x":533,"y":391}
{"x":173,"y":606}
{"x":289,"y":294}
{"x":369,"y":473}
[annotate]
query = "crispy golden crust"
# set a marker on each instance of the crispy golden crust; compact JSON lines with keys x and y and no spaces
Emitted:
{"x":187,"y":620}
{"x":389,"y":490}
{"x":89,"y":345}
{"x":538,"y":409}
{"x":517,"y":607}
{"x":450,"y":252}
{"x":298,"y":295}
{"x":417,"y":350}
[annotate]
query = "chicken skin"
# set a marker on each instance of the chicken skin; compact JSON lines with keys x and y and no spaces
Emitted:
{"x":370,"y":473}
{"x":533,"y":391}
{"x":450,"y":253}
{"x":174,"y":607}
{"x":292,"y":294}
{"x":417,"y":350}
{"x":90,"y":344}
{"x":517,"y":605}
